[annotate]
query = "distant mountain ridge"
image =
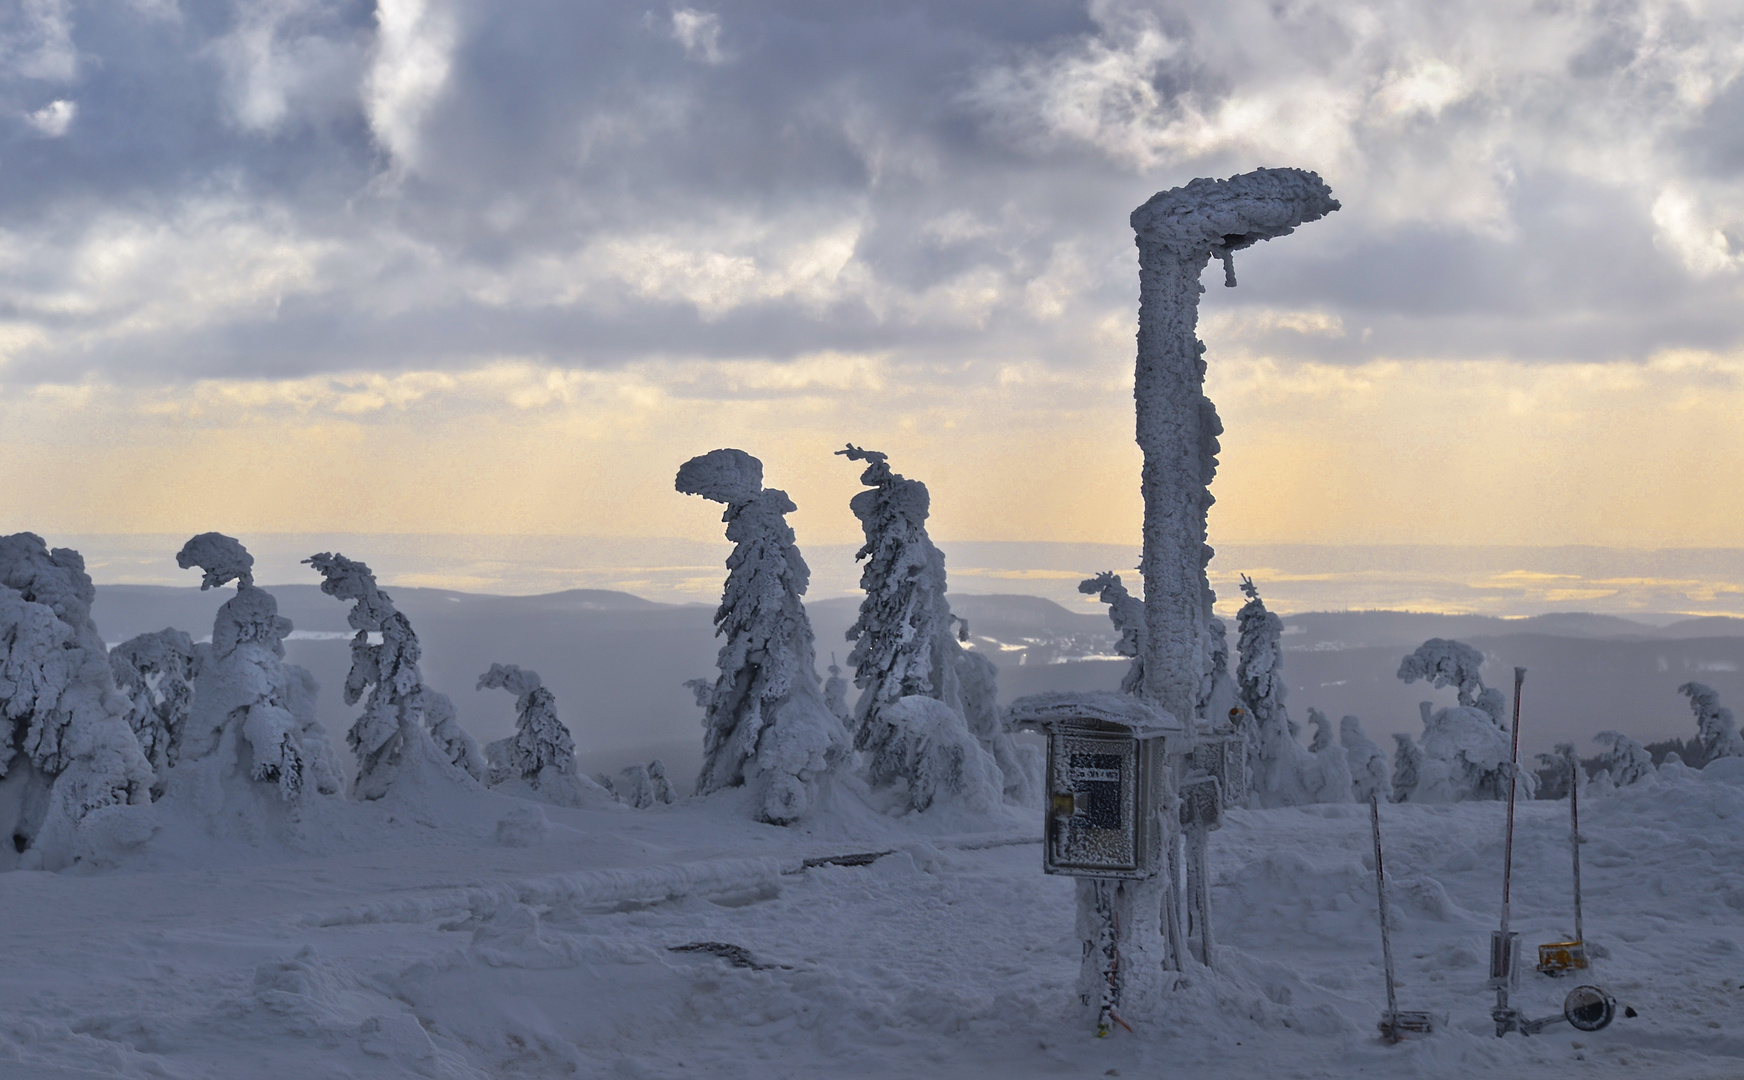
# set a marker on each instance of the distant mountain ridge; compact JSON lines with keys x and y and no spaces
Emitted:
{"x":617,"y":662}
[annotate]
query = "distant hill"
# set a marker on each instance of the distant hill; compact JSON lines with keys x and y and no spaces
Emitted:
{"x":617,"y":662}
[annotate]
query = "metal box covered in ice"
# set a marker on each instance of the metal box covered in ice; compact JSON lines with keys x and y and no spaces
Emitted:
{"x":1106,"y":763}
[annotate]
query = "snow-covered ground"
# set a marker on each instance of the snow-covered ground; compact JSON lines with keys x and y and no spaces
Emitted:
{"x":460,"y":933}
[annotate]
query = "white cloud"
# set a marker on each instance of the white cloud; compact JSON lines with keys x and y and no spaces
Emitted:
{"x":36,"y":41}
{"x":699,"y":32}
{"x":414,"y":52}
{"x":1693,"y":233}
{"x":53,"y":119}
{"x":273,"y":61}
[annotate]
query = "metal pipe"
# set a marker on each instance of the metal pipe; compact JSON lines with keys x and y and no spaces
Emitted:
{"x":1513,"y":787}
{"x":1381,"y":892}
{"x":1503,"y":957}
{"x":1574,"y":840}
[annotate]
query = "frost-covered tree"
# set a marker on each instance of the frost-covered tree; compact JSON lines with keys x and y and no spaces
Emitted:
{"x":1407,"y":768}
{"x":1718,"y":730}
{"x":662,"y":787}
{"x":1282,"y":770}
{"x":1368,"y":762}
{"x":836,"y":693}
{"x":906,"y":641}
{"x":69,"y":751}
{"x":156,"y":672}
{"x":635,"y":786}
{"x":1464,"y":756}
{"x":1330,"y":778}
{"x":1627,"y":761}
{"x":402,"y":718}
{"x":539,"y":758}
{"x":1454,"y":663}
{"x":251,"y":711}
{"x":767,"y":723}
{"x":1126,"y":612}
{"x":1556,"y":772}
{"x":541,"y":741}
{"x":929,"y":756}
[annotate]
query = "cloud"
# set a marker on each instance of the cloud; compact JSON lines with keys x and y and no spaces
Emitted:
{"x":53,"y":119}
{"x":414,"y":42}
{"x":304,"y":187}
{"x":700,"y":34}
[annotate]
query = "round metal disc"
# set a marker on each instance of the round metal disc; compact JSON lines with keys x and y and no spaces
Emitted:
{"x":1589,"y":1008}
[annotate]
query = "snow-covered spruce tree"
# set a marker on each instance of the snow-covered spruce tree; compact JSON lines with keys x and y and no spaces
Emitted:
{"x":1407,"y":768}
{"x":404,"y":723}
{"x":541,"y":741}
{"x":767,"y":723}
{"x":156,"y":672}
{"x":69,"y":754}
{"x":1718,"y":730}
{"x":1454,"y":663}
{"x":1556,"y":772}
{"x":1126,"y":612}
{"x":1330,"y":779}
{"x":663,"y":792}
{"x":1627,"y":761}
{"x":906,"y":645}
{"x":836,"y":693}
{"x":251,"y":712}
{"x":1465,"y":748}
{"x":1283,"y":772}
{"x":1465,"y":757}
{"x":541,"y":753}
{"x":1368,"y":762}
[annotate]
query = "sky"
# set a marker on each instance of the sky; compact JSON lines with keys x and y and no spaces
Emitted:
{"x":447,"y":267}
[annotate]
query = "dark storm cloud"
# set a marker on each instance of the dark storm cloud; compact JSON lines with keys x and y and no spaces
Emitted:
{"x":286,"y":187}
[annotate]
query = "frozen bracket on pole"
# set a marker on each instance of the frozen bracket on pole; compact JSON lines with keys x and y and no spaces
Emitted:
{"x":1207,"y":217}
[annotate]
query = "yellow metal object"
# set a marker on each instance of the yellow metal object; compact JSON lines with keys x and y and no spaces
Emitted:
{"x":1064,"y":803}
{"x":1560,"y":956}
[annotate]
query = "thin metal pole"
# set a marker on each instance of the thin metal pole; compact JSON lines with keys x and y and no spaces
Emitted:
{"x":1574,"y":839}
{"x":1513,"y":787}
{"x":1381,"y":891}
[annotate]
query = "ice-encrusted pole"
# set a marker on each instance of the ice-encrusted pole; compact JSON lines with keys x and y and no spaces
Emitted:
{"x":1178,"y":231}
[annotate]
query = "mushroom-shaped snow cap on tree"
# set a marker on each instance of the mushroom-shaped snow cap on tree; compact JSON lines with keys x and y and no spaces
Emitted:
{"x":723,"y":476}
{"x":1445,"y":662}
{"x":222,"y":559}
{"x":1219,"y":217}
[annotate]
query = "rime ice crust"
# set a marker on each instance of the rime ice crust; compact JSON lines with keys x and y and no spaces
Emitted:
{"x":766,"y":722}
{"x":405,"y":725}
{"x":1177,"y":232}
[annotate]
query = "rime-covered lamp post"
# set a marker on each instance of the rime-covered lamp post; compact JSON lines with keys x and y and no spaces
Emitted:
{"x":1178,"y":231}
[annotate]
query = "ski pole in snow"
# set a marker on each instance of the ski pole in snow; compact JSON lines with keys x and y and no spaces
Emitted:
{"x":1394,"y":1024}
